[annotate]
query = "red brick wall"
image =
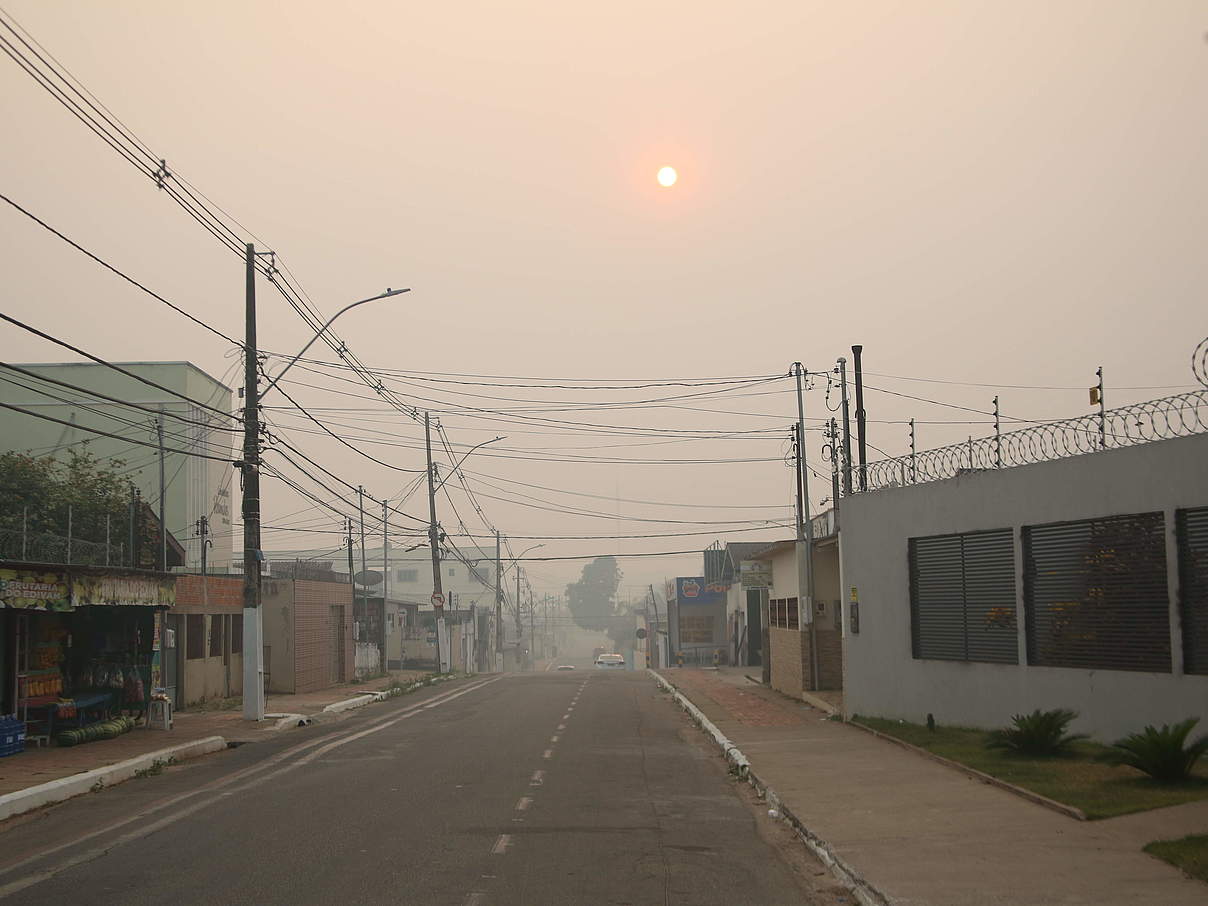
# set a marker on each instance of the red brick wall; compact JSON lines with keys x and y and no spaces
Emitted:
{"x":314,"y":633}
{"x":224,"y":593}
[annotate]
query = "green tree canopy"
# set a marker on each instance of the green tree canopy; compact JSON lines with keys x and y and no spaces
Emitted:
{"x":592,"y":600}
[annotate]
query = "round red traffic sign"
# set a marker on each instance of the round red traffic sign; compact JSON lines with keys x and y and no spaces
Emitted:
{"x":438,"y":600}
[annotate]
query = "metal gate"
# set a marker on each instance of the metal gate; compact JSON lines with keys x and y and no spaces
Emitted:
{"x":1191,"y":529}
{"x":1096,"y":593}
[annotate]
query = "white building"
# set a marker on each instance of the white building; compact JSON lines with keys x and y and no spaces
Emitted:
{"x":1080,"y":583}
{"x":195,"y":487}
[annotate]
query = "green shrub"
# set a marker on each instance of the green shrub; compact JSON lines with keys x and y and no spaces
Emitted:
{"x":1038,"y":733}
{"x":1162,"y":754}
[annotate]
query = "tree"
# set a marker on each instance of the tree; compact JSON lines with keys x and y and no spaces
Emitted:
{"x":36,"y":493}
{"x":592,"y":600}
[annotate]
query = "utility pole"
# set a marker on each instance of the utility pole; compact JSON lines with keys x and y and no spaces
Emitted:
{"x":352,"y":584}
{"x":997,"y":437}
{"x":532,"y":634}
{"x":438,"y":597}
{"x":163,"y":525}
{"x":364,"y":568}
{"x":385,"y":574}
{"x":833,"y":435}
{"x":658,"y":650}
{"x":203,"y":531}
{"x":805,"y":534}
{"x":253,"y":646}
{"x":846,"y":426}
{"x":857,"y":352}
{"x":1102,"y":410}
{"x":498,"y":606}
{"x":519,"y":625}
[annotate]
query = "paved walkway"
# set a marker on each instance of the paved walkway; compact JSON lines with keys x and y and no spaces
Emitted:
{"x":40,"y":765}
{"x":923,"y":833}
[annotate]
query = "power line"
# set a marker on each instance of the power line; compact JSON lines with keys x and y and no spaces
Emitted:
{"x":122,"y":274}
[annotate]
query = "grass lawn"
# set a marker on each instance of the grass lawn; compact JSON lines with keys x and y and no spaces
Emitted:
{"x":1077,"y":779}
{"x":1189,"y":854}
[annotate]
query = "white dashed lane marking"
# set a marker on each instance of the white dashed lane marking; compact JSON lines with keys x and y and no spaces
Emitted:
{"x":538,"y":778}
{"x":475,"y":898}
{"x":554,"y":738}
{"x":548,"y":753}
{"x":501,"y":845}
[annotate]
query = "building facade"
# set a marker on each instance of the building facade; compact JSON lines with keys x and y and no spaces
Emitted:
{"x":194,"y":487}
{"x":1079,"y":583}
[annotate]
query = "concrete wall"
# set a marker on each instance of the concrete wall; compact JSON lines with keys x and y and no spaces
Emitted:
{"x":883,"y":679}
{"x":219,"y":599}
{"x":787,"y":662}
{"x":307,"y":634}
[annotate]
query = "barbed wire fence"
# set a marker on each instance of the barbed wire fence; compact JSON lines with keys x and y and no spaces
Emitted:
{"x":1182,"y":415}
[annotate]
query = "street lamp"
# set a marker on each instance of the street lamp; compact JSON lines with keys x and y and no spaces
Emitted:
{"x":386,"y":295}
{"x":453,"y":471}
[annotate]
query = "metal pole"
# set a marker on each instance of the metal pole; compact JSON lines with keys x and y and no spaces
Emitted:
{"x":970,"y":452}
{"x":846,"y":426}
{"x":69,"y":527}
{"x":24,"y":532}
{"x":364,"y":567}
{"x":997,"y":437}
{"x":203,"y":525}
{"x":834,"y":442}
{"x":163,"y":525}
{"x":107,"y":539}
{"x":914,"y":471}
{"x":532,"y":634}
{"x":498,"y":606}
{"x":857,"y":352}
{"x":658,"y":651}
{"x":385,"y":574}
{"x":438,"y":603}
{"x":1102,"y":412}
{"x":805,"y":535}
{"x":253,"y":646}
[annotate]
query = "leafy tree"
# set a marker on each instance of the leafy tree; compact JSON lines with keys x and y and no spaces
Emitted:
{"x":38,"y":490}
{"x":592,"y":600}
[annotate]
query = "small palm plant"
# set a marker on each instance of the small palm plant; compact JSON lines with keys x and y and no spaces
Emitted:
{"x":1038,"y":733}
{"x":1162,"y":754}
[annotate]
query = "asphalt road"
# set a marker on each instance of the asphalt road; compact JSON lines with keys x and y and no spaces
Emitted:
{"x":550,"y":788}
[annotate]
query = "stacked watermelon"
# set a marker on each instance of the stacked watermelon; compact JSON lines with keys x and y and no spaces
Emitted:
{"x":104,"y":729}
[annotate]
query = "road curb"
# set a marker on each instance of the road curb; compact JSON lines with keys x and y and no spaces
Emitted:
{"x":860,"y":887}
{"x":21,"y":801}
{"x":368,"y":698}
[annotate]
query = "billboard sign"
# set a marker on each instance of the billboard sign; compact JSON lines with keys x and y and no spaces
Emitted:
{"x":693,"y":591}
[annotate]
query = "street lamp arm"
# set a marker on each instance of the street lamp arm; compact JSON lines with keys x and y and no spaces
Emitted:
{"x":453,"y":471}
{"x":387,"y":294}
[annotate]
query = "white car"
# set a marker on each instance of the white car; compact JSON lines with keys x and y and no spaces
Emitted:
{"x":610,"y":662}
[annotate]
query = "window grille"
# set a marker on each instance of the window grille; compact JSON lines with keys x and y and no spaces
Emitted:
{"x":1096,"y":595}
{"x":1191,"y":529}
{"x":962,"y":597}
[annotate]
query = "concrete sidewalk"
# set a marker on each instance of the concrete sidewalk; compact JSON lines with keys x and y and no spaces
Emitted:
{"x":917,"y":832}
{"x":41,"y":765}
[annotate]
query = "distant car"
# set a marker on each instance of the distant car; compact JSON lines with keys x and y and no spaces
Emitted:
{"x":565,"y":667}
{"x":610,"y":662}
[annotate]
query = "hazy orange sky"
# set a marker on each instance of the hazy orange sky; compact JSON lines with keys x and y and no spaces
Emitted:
{"x":1007,"y":193}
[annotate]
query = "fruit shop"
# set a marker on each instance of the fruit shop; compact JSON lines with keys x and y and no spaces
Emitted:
{"x":79,"y":651}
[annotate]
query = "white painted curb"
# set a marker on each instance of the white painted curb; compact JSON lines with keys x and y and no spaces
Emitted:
{"x":861,"y":889}
{"x":349,"y":703}
{"x":732,"y":753}
{"x":64,"y":788}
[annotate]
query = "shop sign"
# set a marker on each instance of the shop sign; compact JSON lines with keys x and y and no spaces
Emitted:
{"x":123,"y":590}
{"x":756,"y":573}
{"x":693,"y":590}
{"x":34,"y":590}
